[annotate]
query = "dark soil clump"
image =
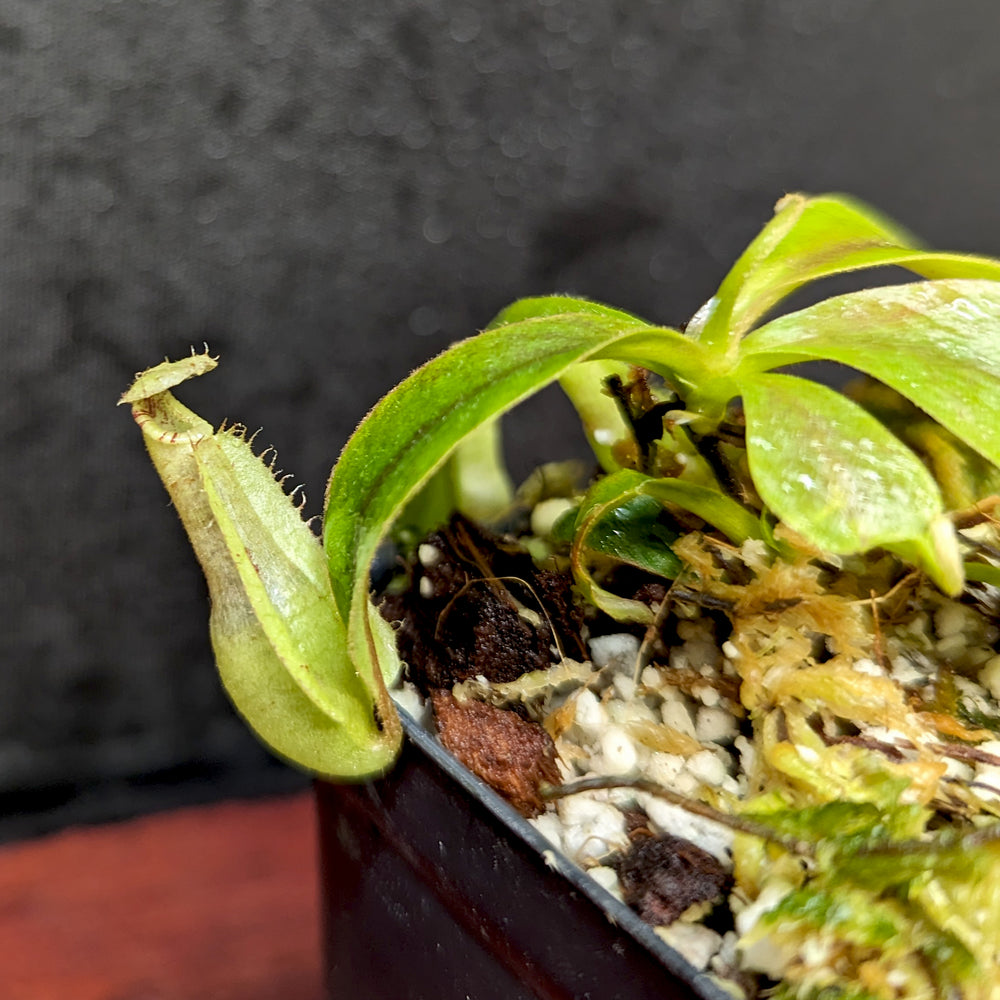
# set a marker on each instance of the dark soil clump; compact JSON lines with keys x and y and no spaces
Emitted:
{"x":478,"y":606}
{"x":662,"y":876}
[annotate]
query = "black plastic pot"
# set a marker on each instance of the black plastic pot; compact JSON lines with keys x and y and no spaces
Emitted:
{"x":436,"y":889}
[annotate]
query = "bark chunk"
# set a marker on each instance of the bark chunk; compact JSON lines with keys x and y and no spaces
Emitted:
{"x":512,"y":755}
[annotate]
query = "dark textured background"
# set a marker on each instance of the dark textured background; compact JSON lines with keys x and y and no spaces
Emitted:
{"x":328,"y":192}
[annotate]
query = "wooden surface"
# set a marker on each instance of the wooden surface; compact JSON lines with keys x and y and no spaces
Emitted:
{"x":216,"y":902}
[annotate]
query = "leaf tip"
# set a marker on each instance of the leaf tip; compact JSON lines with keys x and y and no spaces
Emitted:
{"x":786,"y":200}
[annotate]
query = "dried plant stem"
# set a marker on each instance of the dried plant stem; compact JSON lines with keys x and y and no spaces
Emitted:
{"x":878,"y":643}
{"x":645,"y":653}
{"x":739,"y":824}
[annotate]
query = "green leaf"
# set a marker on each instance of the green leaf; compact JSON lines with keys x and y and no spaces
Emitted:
{"x":540,"y":306}
{"x":621,"y":518}
{"x":811,"y":238}
{"x":713,"y":324}
{"x":601,"y":417}
{"x":280,"y":646}
{"x":635,"y":535}
{"x":474,"y":482}
{"x":602,"y":420}
{"x":609,"y":523}
{"x":848,"y":822}
{"x":836,"y":476}
{"x":963,"y":475}
{"x":983,"y":573}
{"x":849,"y":912}
{"x":935,"y":342}
{"x":564,"y":528}
{"x":732,"y":519}
{"x":670,"y":353}
{"x":413,"y":430}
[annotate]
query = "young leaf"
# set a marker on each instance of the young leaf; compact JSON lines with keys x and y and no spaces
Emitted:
{"x":934,"y":342}
{"x":609,"y":523}
{"x":634,"y":534}
{"x":731,"y":518}
{"x":836,"y":476}
{"x":712,"y":324}
{"x":279,"y":644}
{"x":813,"y":238}
{"x":620,"y":518}
{"x":983,"y":573}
